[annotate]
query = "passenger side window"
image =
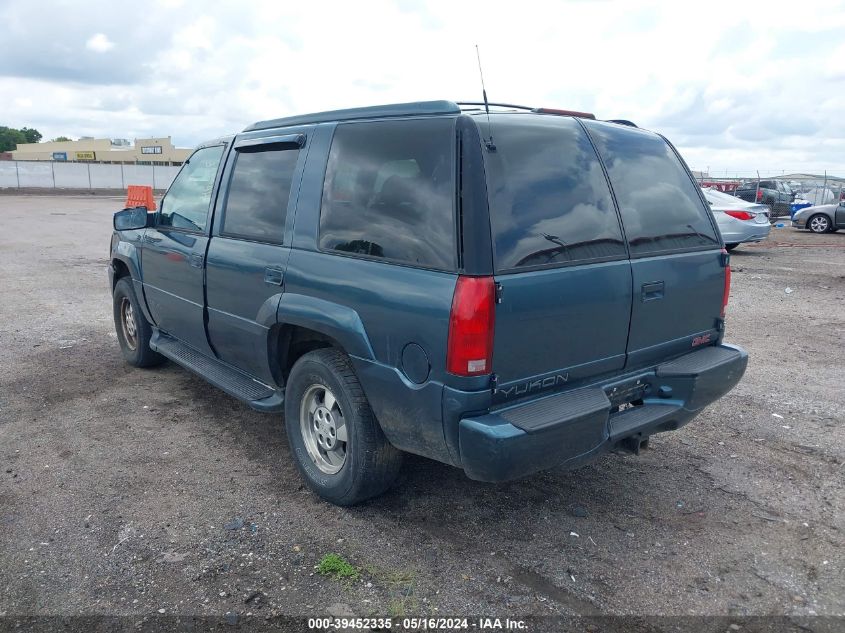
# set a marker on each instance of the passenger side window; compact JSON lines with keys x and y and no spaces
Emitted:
{"x":660,"y":206}
{"x":389,"y":192}
{"x":185,"y":205}
{"x":549,"y":199}
{"x":259,"y":191}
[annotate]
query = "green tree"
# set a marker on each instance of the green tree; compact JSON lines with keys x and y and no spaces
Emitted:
{"x":32,"y":135}
{"x":10,"y":137}
{"x":59,"y":139}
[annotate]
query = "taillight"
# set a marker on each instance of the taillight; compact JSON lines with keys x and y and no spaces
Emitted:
{"x":727,"y":290}
{"x":469,"y":351}
{"x":759,"y":195}
{"x":741,"y":215}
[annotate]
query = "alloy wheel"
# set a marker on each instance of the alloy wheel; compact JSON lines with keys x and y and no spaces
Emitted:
{"x":323,"y":429}
{"x":819,"y":224}
{"x":127,"y":321}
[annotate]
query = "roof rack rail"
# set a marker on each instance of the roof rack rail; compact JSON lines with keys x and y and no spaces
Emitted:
{"x":623,"y":122}
{"x":559,"y":112}
{"x":497,"y":105}
{"x":369,"y":112}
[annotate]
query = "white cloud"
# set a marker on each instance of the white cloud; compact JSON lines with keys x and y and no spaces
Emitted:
{"x":99,"y":43}
{"x":736,"y":86}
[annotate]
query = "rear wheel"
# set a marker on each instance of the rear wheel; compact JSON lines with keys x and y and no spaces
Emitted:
{"x":336,"y":441}
{"x":819,"y":223}
{"x":773,"y":212}
{"x":133,"y":329}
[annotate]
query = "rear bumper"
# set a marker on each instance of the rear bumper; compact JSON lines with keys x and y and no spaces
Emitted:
{"x":570,"y":428}
{"x":759,"y":234}
{"x":738,"y":232}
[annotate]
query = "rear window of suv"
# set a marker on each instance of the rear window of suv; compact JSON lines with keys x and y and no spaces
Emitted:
{"x":549,"y":200}
{"x":389,"y":192}
{"x":660,"y":207}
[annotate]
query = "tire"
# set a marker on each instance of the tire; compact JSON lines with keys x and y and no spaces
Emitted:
{"x":346,"y":471}
{"x":133,"y":329}
{"x":771,"y":205}
{"x":730,"y":247}
{"x":819,"y":223}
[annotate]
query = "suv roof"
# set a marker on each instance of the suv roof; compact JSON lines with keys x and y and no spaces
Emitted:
{"x":369,"y":112}
{"x":416,"y":108}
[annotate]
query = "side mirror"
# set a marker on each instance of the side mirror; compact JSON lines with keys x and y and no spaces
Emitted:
{"x":133,"y":218}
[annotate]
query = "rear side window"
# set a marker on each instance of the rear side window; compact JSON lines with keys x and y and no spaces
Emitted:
{"x":389,"y":192}
{"x":257,"y":202}
{"x":660,"y":207}
{"x":549,"y":199}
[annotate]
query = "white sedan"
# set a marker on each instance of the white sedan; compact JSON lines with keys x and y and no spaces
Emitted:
{"x":739,"y":221}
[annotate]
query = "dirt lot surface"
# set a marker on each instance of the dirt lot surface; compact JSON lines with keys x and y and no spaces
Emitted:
{"x":126,"y":491}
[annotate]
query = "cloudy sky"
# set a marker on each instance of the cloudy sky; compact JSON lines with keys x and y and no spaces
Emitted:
{"x":737,"y":86}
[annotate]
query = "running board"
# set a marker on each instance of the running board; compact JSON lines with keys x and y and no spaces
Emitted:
{"x":236,"y":383}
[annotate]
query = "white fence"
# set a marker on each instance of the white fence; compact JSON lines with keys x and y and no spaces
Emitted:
{"x":58,"y":175}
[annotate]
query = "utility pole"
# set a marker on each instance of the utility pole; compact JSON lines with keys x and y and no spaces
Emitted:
{"x":824,"y":187}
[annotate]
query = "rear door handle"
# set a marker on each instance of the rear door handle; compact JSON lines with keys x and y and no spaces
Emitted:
{"x":652,"y":290}
{"x":274,"y":276}
{"x":196,"y":260}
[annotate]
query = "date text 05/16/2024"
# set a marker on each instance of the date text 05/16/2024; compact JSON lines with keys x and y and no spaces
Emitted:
{"x":418,"y":624}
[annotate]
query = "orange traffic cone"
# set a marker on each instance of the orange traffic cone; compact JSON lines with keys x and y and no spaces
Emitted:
{"x":140,"y":196}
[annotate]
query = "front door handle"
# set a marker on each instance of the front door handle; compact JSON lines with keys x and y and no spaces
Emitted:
{"x":151,"y":239}
{"x":196,"y":260}
{"x":652,"y":290}
{"x":274,"y":276}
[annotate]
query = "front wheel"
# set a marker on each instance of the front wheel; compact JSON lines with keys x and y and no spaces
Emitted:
{"x":336,"y":441}
{"x":819,"y":224}
{"x":133,"y":329}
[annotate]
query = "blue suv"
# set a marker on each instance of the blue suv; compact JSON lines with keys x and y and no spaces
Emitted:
{"x":503,"y":291}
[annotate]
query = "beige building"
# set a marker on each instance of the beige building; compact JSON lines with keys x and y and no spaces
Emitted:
{"x":145,"y":151}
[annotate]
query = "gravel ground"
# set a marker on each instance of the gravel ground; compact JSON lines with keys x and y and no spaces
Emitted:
{"x":134,"y":492}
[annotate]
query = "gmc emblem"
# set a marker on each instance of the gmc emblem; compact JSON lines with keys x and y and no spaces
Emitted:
{"x":700,"y":340}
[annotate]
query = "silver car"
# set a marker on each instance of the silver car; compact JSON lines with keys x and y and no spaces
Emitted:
{"x":824,"y":218}
{"x":739,"y":221}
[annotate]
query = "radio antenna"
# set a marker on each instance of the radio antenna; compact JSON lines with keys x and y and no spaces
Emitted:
{"x":489,"y":142}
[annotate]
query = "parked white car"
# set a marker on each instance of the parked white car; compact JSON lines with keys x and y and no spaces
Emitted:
{"x":739,"y":221}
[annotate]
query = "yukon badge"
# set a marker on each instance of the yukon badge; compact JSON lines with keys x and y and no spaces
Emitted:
{"x":531,"y":386}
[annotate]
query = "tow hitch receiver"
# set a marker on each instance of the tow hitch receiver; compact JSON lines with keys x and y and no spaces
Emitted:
{"x":633,"y":444}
